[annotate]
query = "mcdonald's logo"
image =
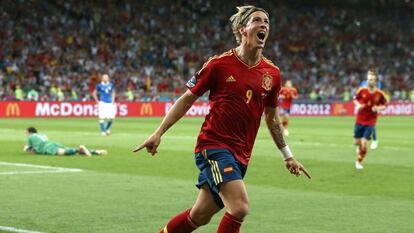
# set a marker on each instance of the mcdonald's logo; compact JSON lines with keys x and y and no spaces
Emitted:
{"x":146,"y":109}
{"x":12,"y":109}
{"x":339,"y":109}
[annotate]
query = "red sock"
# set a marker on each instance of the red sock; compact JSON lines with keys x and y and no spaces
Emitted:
{"x":362,"y":153}
{"x":181,"y":223}
{"x":229,"y":224}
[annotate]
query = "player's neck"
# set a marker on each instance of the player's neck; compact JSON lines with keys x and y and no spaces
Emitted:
{"x":248,"y":55}
{"x":372,"y":89}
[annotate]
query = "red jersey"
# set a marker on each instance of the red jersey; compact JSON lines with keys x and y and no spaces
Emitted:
{"x":366,"y":116}
{"x":288,"y":95}
{"x":238,"y":96}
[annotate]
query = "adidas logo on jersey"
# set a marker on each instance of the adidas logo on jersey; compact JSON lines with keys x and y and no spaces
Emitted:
{"x":230,"y":79}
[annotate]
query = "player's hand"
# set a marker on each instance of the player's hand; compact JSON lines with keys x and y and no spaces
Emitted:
{"x":374,"y":109}
{"x":28,"y":149}
{"x":361,"y":106}
{"x":151,"y":144}
{"x":296,"y":168}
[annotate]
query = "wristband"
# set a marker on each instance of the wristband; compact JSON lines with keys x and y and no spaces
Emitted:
{"x":286,"y":153}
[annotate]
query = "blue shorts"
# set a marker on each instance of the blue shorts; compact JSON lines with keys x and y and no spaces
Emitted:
{"x":218,"y":166}
{"x":363,"y":131}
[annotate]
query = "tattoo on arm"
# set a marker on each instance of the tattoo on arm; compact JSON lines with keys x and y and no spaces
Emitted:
{"x":276,"y":132}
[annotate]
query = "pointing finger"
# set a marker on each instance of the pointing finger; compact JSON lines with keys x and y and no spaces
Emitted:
{"x":139,"y":148}
{"x":305,"y":172}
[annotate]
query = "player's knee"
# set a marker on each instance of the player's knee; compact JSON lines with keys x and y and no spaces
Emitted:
{"x":364,"y":145}
{"x":240,"y":210}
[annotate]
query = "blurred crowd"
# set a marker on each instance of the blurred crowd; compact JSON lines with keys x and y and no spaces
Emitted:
{"x":57,"y":50}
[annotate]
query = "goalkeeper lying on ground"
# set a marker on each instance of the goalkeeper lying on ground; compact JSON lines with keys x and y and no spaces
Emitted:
{"x":40,"y":144}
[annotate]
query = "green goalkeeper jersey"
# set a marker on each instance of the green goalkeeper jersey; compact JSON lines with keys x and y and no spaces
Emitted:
{"x":41,"y":144}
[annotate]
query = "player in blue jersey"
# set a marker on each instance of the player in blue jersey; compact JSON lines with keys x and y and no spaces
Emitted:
{"x":374,"y":143}
{"x":106,"y":103}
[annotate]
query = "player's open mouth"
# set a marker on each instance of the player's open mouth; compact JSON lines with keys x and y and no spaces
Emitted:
{"x":261,"y":35}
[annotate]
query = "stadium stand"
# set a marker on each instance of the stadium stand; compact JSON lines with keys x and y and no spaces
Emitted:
{"x":55,"y":50}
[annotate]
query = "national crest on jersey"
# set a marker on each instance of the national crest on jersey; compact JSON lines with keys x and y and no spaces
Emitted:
{"x":267,"y":82}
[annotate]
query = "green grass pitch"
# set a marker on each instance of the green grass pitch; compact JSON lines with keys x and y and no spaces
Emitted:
{"x":127,"y":192}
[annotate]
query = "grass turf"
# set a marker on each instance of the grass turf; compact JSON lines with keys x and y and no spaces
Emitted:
{"x":127,"y":192}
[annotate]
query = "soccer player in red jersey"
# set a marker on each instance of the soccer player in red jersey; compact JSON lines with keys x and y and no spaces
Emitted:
{"x":369,"y":101}
{"x":243,"y":84}
{"x":288,"y":93}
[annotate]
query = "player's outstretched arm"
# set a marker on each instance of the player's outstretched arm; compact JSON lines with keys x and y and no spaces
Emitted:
{"x":28,"y":149}
{"x":177,"y":111}
{"x":275,"y":128}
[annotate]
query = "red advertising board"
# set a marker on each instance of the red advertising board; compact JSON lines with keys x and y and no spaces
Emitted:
{"x":90,"y":109}
{"x":392,"y":109}
{"x":399,"y":109}
{"x":159,"y":109}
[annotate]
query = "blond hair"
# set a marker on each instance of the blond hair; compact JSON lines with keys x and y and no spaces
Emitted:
{"x":241,"y":18}
{"x":373,"y":71}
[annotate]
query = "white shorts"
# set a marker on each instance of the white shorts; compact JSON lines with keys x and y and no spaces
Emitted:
{"x":106,"y":110}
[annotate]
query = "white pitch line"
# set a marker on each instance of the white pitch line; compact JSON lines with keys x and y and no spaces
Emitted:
{"x":31,"y":165}
{"x":38,"y":172}
{"x":13,"y":229}
{"x":50,"y":169}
